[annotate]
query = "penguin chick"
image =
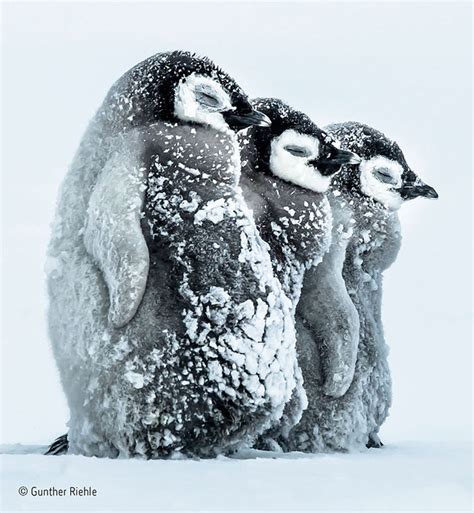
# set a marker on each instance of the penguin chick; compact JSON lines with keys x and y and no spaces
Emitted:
{"x":170,"y":331}
{"x":366,"y":240}
{"x":286,"y":170}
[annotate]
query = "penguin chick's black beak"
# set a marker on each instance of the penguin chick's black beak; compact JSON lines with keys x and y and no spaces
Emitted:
{"x":332,"y":161}
{"x":418,"y":188}
{"x":238,"y":120}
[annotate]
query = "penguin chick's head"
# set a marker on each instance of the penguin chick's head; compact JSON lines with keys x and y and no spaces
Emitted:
{"x":180,"y":86}
{"x":294,"y":148}
{"x":383,"y":173}
{"x":204,"y":94}
{"x":205,"y":100}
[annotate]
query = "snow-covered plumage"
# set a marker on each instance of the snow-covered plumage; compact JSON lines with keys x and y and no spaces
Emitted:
{"x":294,"y":220}
{"x":170,"y":330}
{"x":366,"y":240}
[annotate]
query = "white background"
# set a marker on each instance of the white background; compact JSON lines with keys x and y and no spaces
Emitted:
{"x":402,"y":68}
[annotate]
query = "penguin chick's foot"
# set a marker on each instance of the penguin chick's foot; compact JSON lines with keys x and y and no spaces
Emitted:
{"x":374,"y":441}
{"x":266,"y":443}
{"x":58,"y":447}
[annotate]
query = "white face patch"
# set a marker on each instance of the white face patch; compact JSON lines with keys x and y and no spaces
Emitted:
{"x":201,"y":100}
{"x":379,"y":177}
{"x":289,"y":157}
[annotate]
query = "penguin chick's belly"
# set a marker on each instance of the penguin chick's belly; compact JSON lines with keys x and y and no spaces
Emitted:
{"x":296,"y":225}
{"x":209,"y":359}
{"x":298,"y":240}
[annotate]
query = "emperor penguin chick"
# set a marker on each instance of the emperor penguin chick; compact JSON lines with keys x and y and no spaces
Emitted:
{"x":170,"y":330}
{"x":286,"y":170}
{"x":365,"y":198}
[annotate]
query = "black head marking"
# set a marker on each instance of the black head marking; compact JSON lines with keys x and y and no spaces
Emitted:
{"x":146,"y":92}
{"x":367,"y":142}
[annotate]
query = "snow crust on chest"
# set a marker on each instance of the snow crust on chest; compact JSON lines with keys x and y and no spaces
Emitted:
{"x":239,"y":349}
{"x":230,"y":366}
{"x":374,"y":240}
{"x":302,"y":231}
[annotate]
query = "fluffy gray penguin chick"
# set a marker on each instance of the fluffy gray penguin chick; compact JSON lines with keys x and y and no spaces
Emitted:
{"x":170,"y":331}
{"x":366,"y":240}
{"x":285,"y":171}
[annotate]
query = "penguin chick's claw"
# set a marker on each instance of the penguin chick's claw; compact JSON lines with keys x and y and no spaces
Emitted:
{"x":58,"y":447}
{"x":374,"y":442}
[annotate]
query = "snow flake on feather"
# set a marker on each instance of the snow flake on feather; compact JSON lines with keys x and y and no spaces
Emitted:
{"x":192,"y":204}
{"x":135,"y":379}
{"x":215,"y":211}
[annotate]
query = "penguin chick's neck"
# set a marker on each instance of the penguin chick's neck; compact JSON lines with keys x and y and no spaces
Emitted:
{"x":202,"y":157}
{"x":295,"y":221}
{"x":374,"y":240}
{"x":364,"y":208}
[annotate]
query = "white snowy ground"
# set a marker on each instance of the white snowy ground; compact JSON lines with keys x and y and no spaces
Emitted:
{"x":383,"y":64}
{"x":403,"y":476}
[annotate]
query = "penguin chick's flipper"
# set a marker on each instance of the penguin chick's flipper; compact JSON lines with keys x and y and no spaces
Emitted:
{"x":58,"y":447}
{"x":340,"y":360}
{"x":113,"y":234}
{"x":374,"y":441}
{"x":325,"y":296}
